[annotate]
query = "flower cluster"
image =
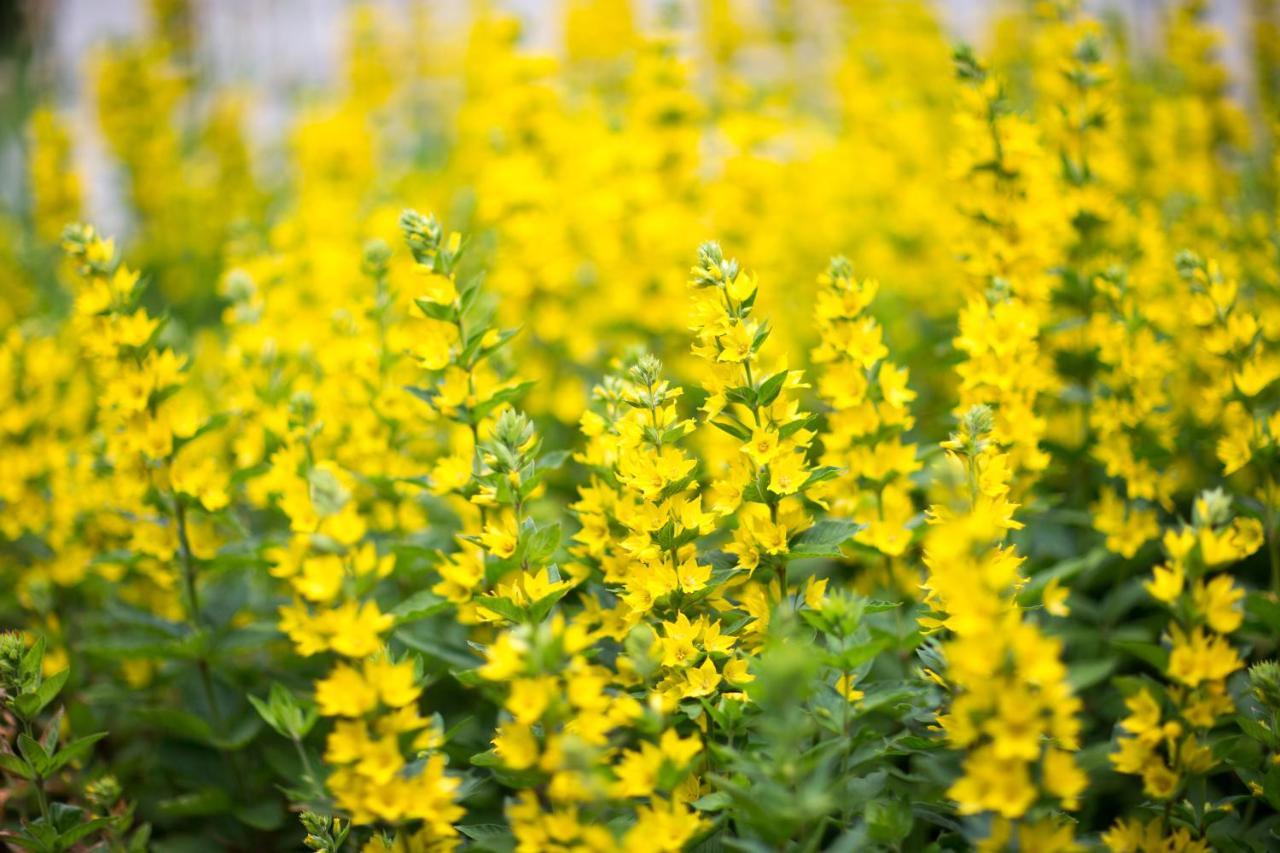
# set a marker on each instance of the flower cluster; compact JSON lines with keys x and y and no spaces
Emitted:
{"x":1012,"y":710}
{"x":870,"y":410}
{"x":952,"y":522}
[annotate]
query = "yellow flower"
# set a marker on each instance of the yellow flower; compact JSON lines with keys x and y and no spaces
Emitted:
{"x":435,"y":287}
{"x":529,"y":698}
{"x":763,"y":446}
{"x":701,"y":680}
{"x":991,"y":784}
{"x":355,"y":630}
{"x":503,"y":658}
{"x":736,"y":343}
{"x":1063,"y":778}
{"x":787,"y":472}
{"x":1166,"y":582}
{"x":741,"y":288}
{"x":344,"y":693}
{"x":500,"y":537}
{"x":1217,"y":601}
{"x":516,"y":746}
{"x":321,"y":577}
{"x":395,"y":682}
{"x":1054,"y":598}
{"x":662,"y":827}
{"x":737,"y":672}
{"x":845,"y":687}
{"x":1198,"y":657}
{"x":1158,"y":780}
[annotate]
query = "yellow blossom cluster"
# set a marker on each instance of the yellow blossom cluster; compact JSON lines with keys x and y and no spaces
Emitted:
{"x":951,"y":521}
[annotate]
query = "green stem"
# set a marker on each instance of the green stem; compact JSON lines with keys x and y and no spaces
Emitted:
{"x":1273,"y":537}
{"x":477,"y":460}
{"x":193,"y":603}
{"x":42,"y":798}
{"x":307,"y":769}
{"x":844,"y":757}
{"x":38,"y":782}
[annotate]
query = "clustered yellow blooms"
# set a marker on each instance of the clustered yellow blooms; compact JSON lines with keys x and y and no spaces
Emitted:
{"x":561,"y":742}
{"x":762,"y":477}
{"x":334,"y":574}
{"x":189,"y":194}
{"x":1124,"y":410}
{"x":1006,"y":191}
{"x":377,"y":719}
{"x":1166,"y":730}
{"x":165,"y":451}
{"x":644,"y":486}
{"x":464,"y":394}
{"x":1131,"y":402}
{"x":292,"y":428}
{"x":1239,"y":362}
{"x":1012,"y":710}
{"x":869,"y":403}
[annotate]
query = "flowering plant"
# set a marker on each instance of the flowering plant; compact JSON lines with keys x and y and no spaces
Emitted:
{"x":946,"y":518}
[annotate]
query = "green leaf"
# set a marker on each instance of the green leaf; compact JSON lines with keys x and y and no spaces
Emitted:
{"x":676,"y":487}
{"x":855,"y":656}
{"x":240,"y":736}
{"x":762,"y":335}
{"x":504,"y":337}
{"x":434,"y":648}
{"x":295,"y":720}
{"x":15,"y":765}
{"x":712,"y":802}
{"x":788,"y":430}
{"x":505,"y":395}
{"x":28,"y":840}
{"x":542,"y":544}
{"x":47,"y":691}
{"x":29,"y":666}
{"x":822,"y":540}
{"x":1257,"y":731}
{"x":553,"y":459}
{"x":267,"y":713}
{"x":327,"y":494}
{"x":141,"y":839}
{"x":25,"y":705}
{"x":34,"y":753}
{"x":502,"y":606}
{"x":1062,"y":571}
{"x":420,"y":605}
{"x":820,"y":474}
{"x":875,"y":606}
{"x":201,"y":803}
{"x":1088,"y":673}
{"x":734,"y":429}
{"x":426,"y":395}
{"x":1157,"y":656}
{"x":888,"y":821}
{"x":771,"y":387}
{"x":488,"y":836}
{"x":83,"y":830}
{"x":1271,"y":786}
{"x":442,"y":311}
{"x":74,"y":749}
{"x":540,"y":608}
{"x":265,"y":815}
{"x":180,"y":723}
{"x":1264,"y":609}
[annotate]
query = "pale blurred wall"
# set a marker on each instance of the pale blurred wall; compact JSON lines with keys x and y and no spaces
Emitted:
{"x":279,"y":48}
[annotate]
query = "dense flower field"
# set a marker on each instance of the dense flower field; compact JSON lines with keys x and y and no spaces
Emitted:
{"x":933,"y":506}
